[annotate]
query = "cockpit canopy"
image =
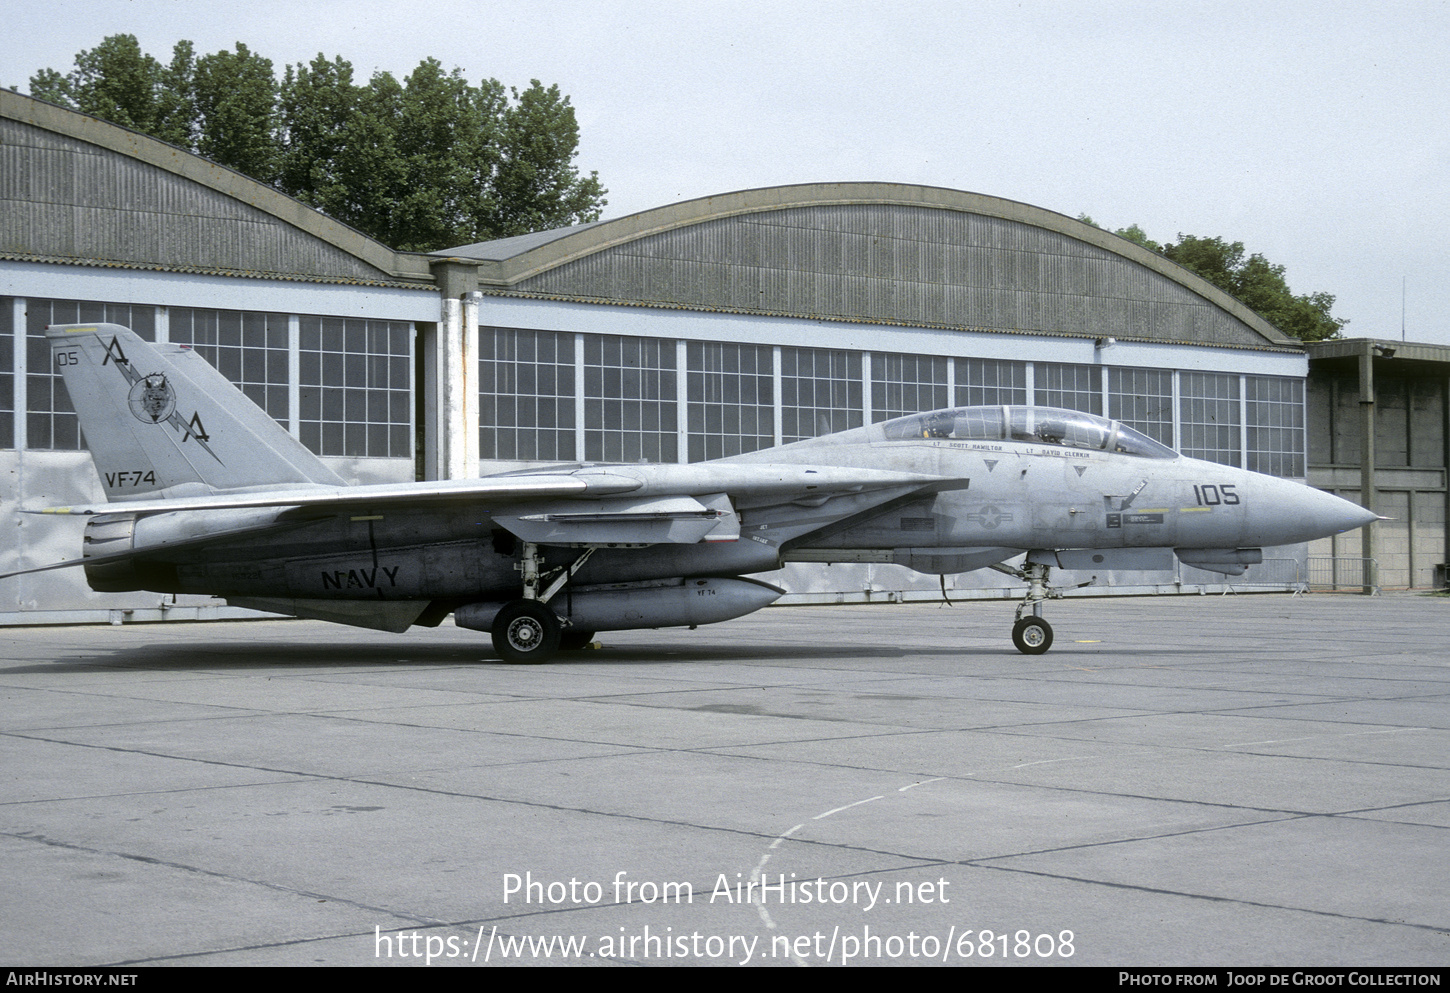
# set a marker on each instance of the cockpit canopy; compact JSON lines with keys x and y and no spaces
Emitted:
{"x":1035,"y":425}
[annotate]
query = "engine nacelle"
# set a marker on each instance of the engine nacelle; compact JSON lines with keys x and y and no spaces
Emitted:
{"x":107,"y":536}
{"x":624,"y":608}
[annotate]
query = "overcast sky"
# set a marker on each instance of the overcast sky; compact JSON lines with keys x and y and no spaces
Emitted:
{"x":1316,"y":133}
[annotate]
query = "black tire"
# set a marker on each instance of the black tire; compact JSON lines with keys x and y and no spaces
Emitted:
{"x":573,"y":641}
{"x":1032,"y":635}
{"x":526,"y":631}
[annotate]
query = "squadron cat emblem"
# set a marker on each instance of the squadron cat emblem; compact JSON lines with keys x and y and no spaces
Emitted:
{"x":152,"y":400}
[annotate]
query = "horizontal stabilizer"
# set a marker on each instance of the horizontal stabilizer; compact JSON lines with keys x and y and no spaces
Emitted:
{"x":757,"y":485}
{"x":493,"y":488}
{"x":99,"y":553}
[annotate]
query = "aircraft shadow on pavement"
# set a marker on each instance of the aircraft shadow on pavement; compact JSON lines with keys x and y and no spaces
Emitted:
{"x":237,"y":656}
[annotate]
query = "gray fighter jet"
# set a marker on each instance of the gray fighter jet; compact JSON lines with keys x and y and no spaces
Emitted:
{"x":207,"y":494}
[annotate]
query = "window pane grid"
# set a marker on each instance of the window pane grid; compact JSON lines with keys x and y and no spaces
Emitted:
{"x":1275,"y":408}
{"x":820,"y":392}
{"x":907,"y":384}
{"x":629,"y":399}
{"x":526,"y":395}
{"x":1143,"y":399}
{"x":356,"y":387}
{"x":1209,"y":412}
{"x":347,"y":365}
{"x":1073,"y":387}
{"x":249,"y":349}
{"x":984,"y":382}
{"x":731,"y":391}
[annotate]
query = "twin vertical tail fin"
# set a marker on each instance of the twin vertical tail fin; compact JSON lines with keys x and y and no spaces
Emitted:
{"x":160,"y":421}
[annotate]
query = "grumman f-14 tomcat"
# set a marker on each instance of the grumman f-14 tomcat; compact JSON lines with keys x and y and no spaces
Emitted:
{"x":207,"y":494}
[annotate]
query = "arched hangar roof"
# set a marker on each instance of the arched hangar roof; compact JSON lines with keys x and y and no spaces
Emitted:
{"x":877,"y":252}
{"x":77,"y":190}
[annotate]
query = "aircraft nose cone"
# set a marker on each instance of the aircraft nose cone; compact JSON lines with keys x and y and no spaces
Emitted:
{"x":1325,"y":514}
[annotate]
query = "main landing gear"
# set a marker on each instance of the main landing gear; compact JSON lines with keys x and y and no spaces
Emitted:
{"x":527,"y":630}
{"x":1031,"y":633}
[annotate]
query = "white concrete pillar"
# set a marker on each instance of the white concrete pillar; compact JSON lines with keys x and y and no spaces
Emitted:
{"x":469,"y":387}
{"x":452,"y":424}
{"x":450,"y":417}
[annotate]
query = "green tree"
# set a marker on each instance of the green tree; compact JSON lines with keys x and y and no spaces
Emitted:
{"x":115,"y":81}
{"x":538,"y":186}
{"x":371,"y":171}
{"x":1259,"y":284}
{"x":1253,"y":279}
{"x":318,"y":105}
{"x":176,"y":99}
{"x":1137,"y":236}
{"x":52,"y":87}
{"x":423,"y":165}
{"x":235,"y":95}
{"x":448,"y":134}
{"x":406,"y":163}
{"x":432,"y":162}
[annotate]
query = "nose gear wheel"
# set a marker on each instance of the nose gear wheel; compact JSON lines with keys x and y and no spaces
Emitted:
{"x":1032,"y":635}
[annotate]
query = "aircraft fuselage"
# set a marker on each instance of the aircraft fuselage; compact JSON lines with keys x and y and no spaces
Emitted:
{"x":205,"y":493}
{"x":1004,"y":497}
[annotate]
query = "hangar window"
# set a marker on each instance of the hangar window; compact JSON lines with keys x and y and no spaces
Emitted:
{"x":905,"y":384}
{"x":1275,"y":408}
{"x":50,"y":420}
{"x":1143,"y":398}
{"x":1072,"y":387}
{"x":991,"y":381}
{"x":356,"y":387}
{"x":1209,"y":405}
{"x":731,"y":391}
{"x":820,"y":392}
{"x":526,"y":395}
{"x":630,"y":409}
{"x":249,"y":349}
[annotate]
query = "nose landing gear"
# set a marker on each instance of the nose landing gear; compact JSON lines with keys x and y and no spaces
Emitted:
{"x":1031,"y":633}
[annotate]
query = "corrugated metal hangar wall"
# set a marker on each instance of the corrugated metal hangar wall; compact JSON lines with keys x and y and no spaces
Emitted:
{"x":691,"y":331}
